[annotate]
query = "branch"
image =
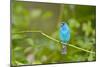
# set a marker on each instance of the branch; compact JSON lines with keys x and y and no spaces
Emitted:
{"x":55,"y":40}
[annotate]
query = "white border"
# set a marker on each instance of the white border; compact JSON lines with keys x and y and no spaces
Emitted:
{"x":83,"y":2}
{"x":5,"y":34}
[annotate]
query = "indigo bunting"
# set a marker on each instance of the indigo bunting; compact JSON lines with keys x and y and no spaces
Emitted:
{"x":64,"y":34}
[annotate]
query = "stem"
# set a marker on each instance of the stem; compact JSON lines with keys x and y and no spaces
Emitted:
{"x":55,"y":40}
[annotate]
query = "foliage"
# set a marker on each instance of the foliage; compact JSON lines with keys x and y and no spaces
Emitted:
{"x":36,"y":48}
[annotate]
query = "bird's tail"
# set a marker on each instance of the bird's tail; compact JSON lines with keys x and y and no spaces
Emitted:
{"x":64,"y":49}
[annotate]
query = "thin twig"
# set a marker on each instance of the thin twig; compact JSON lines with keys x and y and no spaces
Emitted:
{"x":55,"y":40}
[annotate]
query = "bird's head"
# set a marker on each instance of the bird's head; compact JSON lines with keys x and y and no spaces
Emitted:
{"x":64,"y":26}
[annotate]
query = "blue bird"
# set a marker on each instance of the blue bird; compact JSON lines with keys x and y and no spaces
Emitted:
{"x":64,"y":34}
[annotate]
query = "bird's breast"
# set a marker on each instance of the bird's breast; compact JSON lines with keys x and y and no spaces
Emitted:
{"x":65,"y":35}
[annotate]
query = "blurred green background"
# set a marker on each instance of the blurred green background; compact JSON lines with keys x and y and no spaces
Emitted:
{"x":34,"y":48}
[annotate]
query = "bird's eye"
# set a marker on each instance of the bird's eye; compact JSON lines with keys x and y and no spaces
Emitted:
{"x":62,"y":24}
